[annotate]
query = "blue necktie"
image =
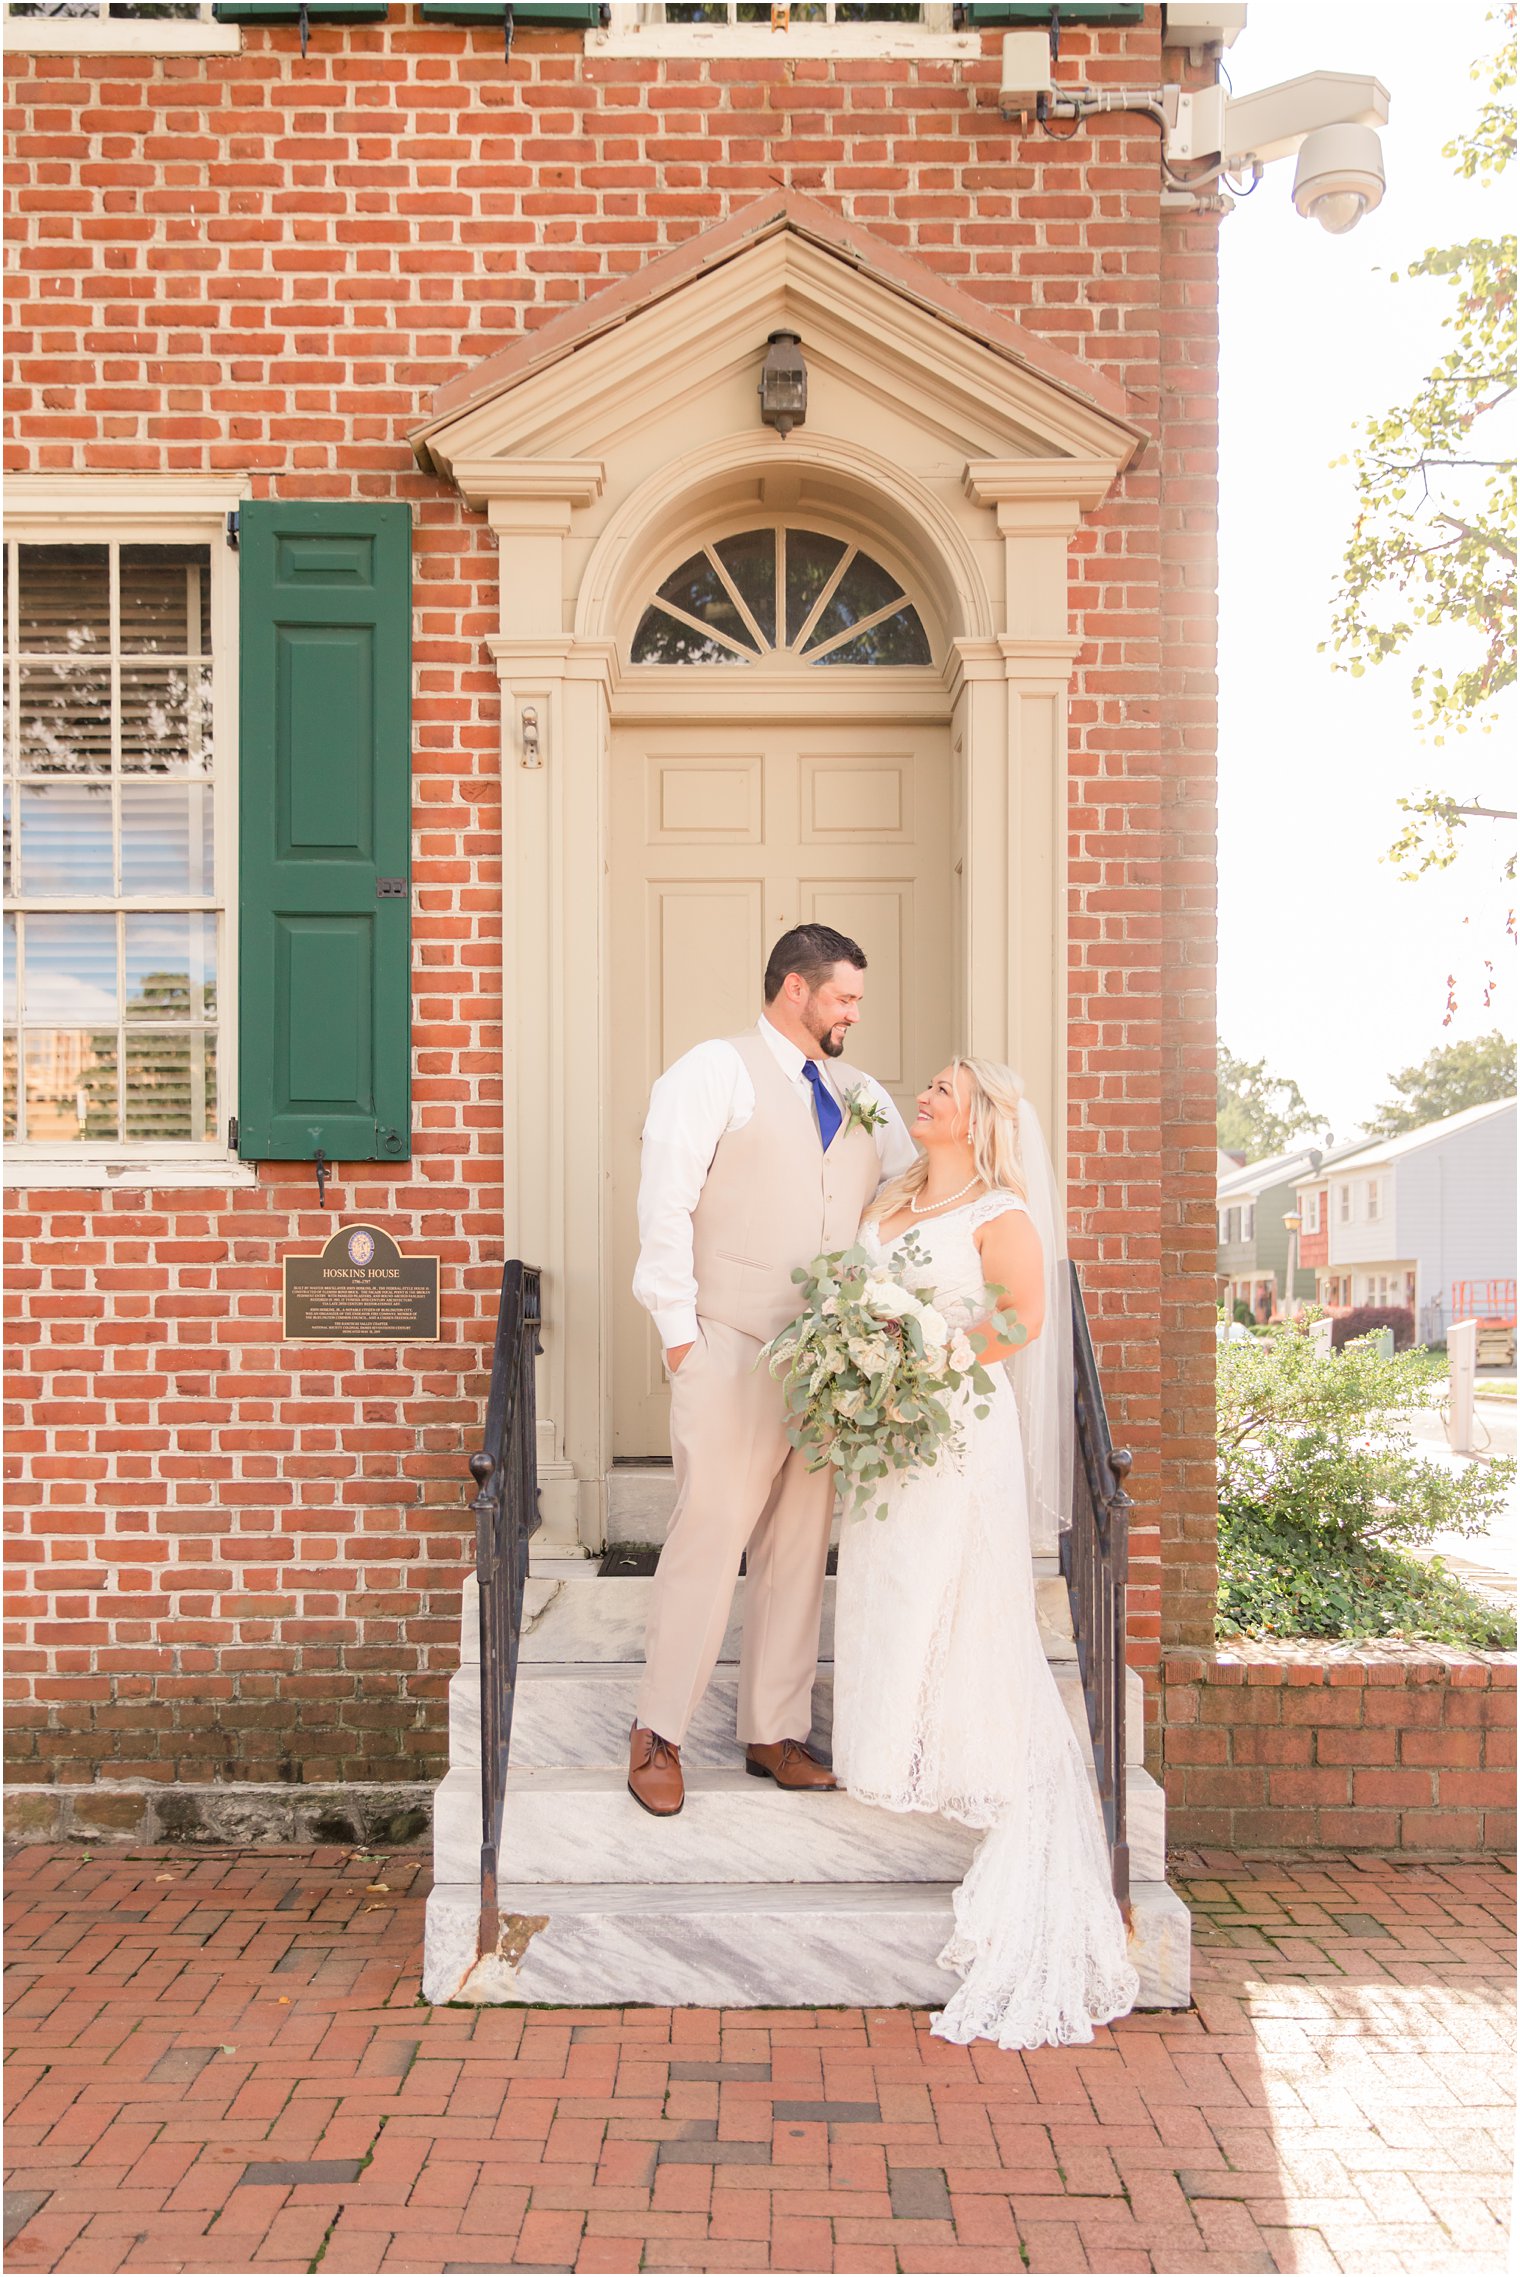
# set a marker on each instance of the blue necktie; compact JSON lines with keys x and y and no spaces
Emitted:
{"x":829,"y":1114}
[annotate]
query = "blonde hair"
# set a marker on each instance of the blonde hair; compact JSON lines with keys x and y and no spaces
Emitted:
{"x":992,"y":1132}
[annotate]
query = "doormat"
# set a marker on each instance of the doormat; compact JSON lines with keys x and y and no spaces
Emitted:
{"x":642,"y":1558}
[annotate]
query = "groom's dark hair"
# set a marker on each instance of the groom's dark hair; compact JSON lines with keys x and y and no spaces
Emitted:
{"x":812,"y":952}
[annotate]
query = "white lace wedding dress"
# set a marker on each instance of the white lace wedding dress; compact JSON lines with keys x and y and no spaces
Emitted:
{"x":944,"y":1701}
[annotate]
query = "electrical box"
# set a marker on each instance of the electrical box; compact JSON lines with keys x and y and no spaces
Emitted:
{"x":1026,"y":71}
{"x":1203,"y":23}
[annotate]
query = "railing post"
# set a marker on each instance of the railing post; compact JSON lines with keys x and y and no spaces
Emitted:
{"x":1095,"y":1563}
{"x":482,"y":1469}
{"x":506,"y":1516}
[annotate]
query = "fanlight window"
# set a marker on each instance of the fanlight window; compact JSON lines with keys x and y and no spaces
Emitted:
{"x":780,"y":591}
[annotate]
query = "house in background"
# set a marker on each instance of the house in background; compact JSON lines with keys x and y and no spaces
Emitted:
{"x":1403,"y":1221}
{"x":1252,"y":1200}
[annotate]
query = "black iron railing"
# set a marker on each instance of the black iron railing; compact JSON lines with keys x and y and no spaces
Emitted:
{"x":506,"y":1515}
{"x":1095,"y":1562}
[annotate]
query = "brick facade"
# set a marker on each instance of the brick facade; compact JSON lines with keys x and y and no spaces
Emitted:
{"x":241,"y":1560}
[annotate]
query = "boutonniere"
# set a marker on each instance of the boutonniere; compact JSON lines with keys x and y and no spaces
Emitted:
{"x":862,"y":1112}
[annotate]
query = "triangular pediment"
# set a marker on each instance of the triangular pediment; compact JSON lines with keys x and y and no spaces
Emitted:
{"x":865,"y":309}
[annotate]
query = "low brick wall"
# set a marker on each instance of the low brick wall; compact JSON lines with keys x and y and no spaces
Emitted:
{"x":1287,"y":1747}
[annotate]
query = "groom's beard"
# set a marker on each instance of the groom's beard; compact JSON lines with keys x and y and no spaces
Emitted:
{"x":830,"y":1041}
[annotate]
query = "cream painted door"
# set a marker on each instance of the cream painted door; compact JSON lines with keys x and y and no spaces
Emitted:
{"x":723,"y":836}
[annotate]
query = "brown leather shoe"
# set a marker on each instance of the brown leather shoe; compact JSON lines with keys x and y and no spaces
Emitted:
{"x":791,"y":1765}
{"x":654,"y":1772}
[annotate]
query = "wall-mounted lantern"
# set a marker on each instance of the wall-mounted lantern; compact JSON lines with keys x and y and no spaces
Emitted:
{"x":783,"y":383}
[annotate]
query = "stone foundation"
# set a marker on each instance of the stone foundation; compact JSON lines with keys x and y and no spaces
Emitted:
{"x":244,"y":1815}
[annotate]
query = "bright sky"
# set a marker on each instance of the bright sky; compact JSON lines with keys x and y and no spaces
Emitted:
{"x":1332,"y":968}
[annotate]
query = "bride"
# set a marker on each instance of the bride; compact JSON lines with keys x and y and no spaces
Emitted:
{"x":943,"y":1698}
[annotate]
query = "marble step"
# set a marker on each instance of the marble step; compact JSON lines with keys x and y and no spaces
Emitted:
{"x":560,"y":1825}
{"x":597,"y":1617}
{"x":870,"y":1944}
{"x":578,"y":1712}
{"x":567,"y":1825}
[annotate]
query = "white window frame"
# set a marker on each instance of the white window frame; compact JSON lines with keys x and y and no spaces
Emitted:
{"x":1311,"y":1212}
{"x":1248,"y":1221}
{"x":638,"y":27}
{"x":1374,"y":1194}
{"x":119,"y":35}
{"x":1343,"y":1202}
{"x":156,"y":510}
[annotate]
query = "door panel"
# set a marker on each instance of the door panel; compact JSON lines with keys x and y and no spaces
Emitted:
{"x":723,"y":837}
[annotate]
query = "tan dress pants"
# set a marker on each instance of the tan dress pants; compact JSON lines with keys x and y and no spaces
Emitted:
{"x":740,"y":1485}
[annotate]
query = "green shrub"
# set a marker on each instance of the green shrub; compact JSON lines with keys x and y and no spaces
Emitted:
{"x":1322,"y":1490}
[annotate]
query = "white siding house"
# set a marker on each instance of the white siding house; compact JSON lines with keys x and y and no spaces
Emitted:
{"x":1411,"y":1217}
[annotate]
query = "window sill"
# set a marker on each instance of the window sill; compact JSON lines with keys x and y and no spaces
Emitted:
{"x":38,"y":1172}
{"x":41,"y":35}
{"x":895,"y":43}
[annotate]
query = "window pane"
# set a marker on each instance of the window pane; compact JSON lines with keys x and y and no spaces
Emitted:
{"x":665,"y":640}
{"x":864,"y":588}
{"x":65,"y":838}
{"x":896,"y":640}
{"x":166,"y":599}
{"x":697,"y":588}
{"x":811,"y":560}
{"x":10,"y":972}
{"x":10,"y":1087}
{"x":166,"y":838}
{"x":65,"y":719}
{"x":750,"y":560}
{"x":70,"y":1085}
{"x":166,"y":718}
{"x":171,"y":966}
{"x":70,"y":975}
{"x":65,"y":600}
{"x":171,"y":1086}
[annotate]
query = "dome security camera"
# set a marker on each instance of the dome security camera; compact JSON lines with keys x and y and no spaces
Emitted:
{"x":1339,"y":176}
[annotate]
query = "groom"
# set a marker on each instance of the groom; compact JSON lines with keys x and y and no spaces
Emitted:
{"x":754,"y":1161}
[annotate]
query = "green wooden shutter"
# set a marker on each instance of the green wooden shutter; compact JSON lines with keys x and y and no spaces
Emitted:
{"x":324,"y":986}
{"x":528,"y":15}
{"x":978,"y":12}
{"x":289,"y":12}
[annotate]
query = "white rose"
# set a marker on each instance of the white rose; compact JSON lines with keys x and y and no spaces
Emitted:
{"x":888,"y":1301}
{"x":962,"y":1357}
{"x":935,"y":1327}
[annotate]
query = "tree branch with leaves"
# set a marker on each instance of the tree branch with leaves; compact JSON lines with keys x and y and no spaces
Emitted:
{"x":1429,"y":567}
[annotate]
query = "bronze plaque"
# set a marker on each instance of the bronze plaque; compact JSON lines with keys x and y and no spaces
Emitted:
{"x":361,"y":1290}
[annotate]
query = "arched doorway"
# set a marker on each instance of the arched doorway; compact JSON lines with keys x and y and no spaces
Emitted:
{"x":787,"y":775}
{"x":609,"y":447}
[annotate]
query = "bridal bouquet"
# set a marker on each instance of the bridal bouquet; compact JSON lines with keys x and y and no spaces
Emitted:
{"x":870,"y":1366}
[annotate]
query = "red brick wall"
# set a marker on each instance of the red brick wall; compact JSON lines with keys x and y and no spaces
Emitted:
{"x":1314,"y":1248}
{"x":240,"y":1559}
{"x":1377,"y":1753}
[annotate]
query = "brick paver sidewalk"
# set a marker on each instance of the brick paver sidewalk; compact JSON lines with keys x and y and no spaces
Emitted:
{"x":218,"y":2061}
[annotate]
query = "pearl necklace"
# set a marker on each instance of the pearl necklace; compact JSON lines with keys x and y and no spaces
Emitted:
{"x":929,"y":1207}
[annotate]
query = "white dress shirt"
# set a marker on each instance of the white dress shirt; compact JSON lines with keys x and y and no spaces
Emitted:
{"x":695,"y":1103}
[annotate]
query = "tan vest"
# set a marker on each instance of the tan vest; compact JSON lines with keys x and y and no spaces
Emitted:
{"x":773,"y":1199}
